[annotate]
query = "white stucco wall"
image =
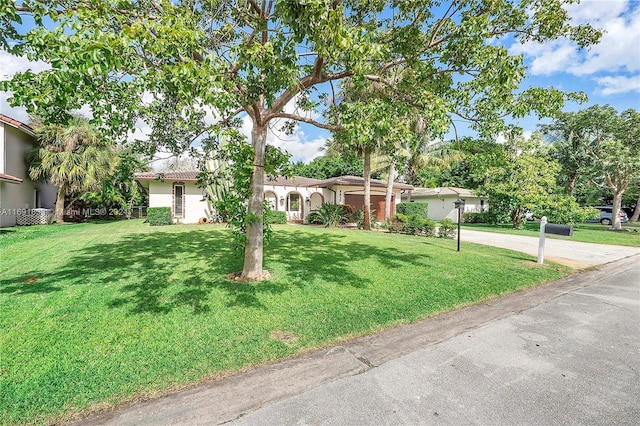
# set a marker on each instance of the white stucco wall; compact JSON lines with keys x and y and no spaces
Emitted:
{"x":16,"y":197}
{"x":282,"y":195}
{"x":161,"y":195}
{"x":442,"y":207}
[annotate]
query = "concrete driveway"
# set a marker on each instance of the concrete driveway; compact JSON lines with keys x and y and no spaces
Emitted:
{"x":570,"y":253}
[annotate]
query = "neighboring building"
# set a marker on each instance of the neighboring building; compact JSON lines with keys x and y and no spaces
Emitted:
{"x":297,"y":196}
{"x":18,"y":193}
{"x":441,"y":200}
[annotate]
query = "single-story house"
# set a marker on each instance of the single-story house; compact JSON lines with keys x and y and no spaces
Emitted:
{"x":18,"y":194}
{"x":441,"y":201}
{"x":296,"y":196}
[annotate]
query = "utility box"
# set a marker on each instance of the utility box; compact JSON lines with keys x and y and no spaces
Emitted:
{"x":555,"y":229}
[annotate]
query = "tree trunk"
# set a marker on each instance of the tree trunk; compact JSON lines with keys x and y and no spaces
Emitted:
{"x":60,"y":205}
{"x":636,"y":212}
{"x":367,"y":189}
{"x":252,"y":268}
{"x":389,"y":194}
{"x":616,"y":225}
{"x":517,"y":217}
{"x":572,"y":184}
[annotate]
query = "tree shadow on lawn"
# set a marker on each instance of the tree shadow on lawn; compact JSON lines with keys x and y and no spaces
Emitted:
{"x":160,"y":271}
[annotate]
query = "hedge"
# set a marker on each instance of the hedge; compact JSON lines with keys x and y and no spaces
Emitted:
{"x":158,"y":216}
{"x":410,"y":209}
{"x":275,"y":216}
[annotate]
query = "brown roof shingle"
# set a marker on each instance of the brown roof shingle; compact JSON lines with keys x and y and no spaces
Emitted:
{"x":187,"y":176}
{"x":17,"y":124}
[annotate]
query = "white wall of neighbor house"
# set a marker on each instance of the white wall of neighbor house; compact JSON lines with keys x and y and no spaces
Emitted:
{"x":25,"y":195}
{"x":2,"y":144}
{"x":443,"y":207}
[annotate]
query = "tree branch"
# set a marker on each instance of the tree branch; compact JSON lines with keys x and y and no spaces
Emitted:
{"x":315,"y":123}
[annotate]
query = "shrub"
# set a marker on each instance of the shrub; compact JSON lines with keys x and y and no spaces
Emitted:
{"x":410,"y":209}
{"x":159,"y":216}
{"x":328,"y":215}
{"x":358,"y":217}
{"x":275,"y":216}
{"x":397,"y":223}
{"x":563,"y":209}
{"x":476,"y":217}
{"x":401,"y":217}
{"x":414,"y":224}
{"x":447,"y":228}
{"x":417,"y":225}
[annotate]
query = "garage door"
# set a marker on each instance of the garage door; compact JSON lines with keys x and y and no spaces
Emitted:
{"x":377,"y":204}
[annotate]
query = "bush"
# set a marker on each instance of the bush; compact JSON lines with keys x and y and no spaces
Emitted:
{"x":410,"y":209}
{"x":447,"y":228}
{"x":358,"y":217}
{"x":411,"y":225}
{"x":474,"y":217}
{"x":328,"y":215}
{"x":275,"y":216}
{"x":159,"y":216}
{"x":419,"y":226}
{"x":564,"y":209}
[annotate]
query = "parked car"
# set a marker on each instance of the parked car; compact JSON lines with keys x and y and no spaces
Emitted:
{"x":606,"y":215}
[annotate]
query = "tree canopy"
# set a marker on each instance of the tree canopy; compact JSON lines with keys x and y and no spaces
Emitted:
{"x":169,"y":61}
{"x":606,"y":148}
{"x":73,"y":157}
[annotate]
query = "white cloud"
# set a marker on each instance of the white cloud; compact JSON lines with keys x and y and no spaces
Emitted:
{"x":9,"y":66}
{"x":618,"y":50}
{"x":297,"y":144}
{"x":619,"y":84}
{"x":548,"y":58}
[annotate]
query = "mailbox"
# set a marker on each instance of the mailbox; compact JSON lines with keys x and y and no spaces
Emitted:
{"x":554,"y":229}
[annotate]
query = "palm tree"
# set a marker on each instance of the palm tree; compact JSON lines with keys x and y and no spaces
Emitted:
{"x":73,"y":157}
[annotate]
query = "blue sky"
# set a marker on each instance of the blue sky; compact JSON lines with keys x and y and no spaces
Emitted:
{"x":609,"y":73}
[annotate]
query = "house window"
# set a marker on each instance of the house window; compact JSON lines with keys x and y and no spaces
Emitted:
{"x":294,"y":203}
{"x":178,"y":201}
{"x":316,"y":201}
{"x":481,"y":205}
{"x":272,"y":200}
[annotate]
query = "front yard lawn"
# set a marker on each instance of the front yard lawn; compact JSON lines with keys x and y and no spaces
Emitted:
{"x":99,"y":314}
{"x":583,"y":232}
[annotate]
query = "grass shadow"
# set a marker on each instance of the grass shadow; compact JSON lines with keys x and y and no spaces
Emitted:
{"x":159,"y":271}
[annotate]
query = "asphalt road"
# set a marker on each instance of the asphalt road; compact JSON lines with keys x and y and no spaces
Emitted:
{"x":564,"y":353}
{"x":572,"y":360}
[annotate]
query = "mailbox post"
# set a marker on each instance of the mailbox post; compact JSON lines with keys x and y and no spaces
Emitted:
{"x":459,"y":204}
{"x":554,"y":229}
{"x":543,"y":226}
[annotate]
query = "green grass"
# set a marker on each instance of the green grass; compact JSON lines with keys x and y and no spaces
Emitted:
{"x":584,"y":233}
{"x":100,"y":314}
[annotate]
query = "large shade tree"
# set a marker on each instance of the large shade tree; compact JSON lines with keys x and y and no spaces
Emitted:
{"x":256,"y":57}
{"x":609,"y":143}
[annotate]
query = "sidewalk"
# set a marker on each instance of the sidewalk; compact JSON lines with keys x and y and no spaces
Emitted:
{"x":570,"y":253}
{"x":563,"y":353}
